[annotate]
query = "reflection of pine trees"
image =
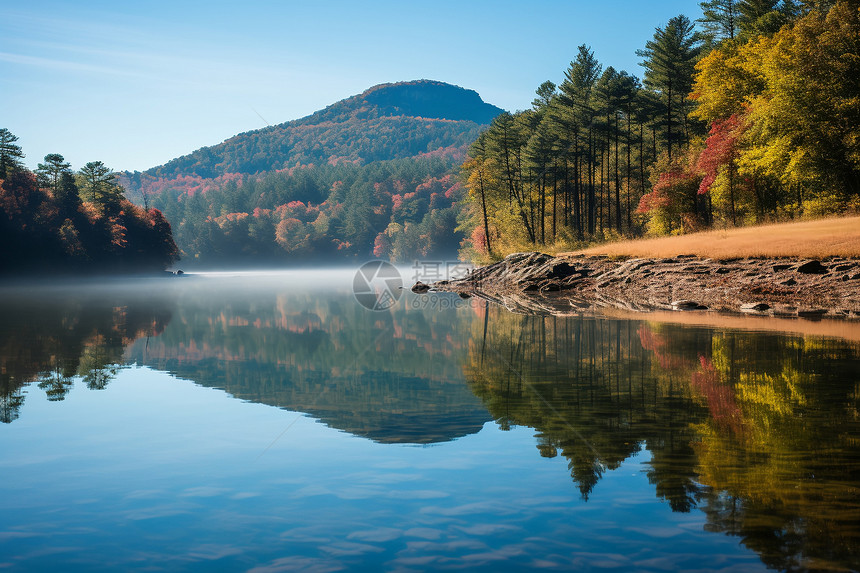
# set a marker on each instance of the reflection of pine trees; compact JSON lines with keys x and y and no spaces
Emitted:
{"x":787,"y":541}
{"x":11,"y":400}
{"x":56,"y":384}
{"x":673,"y":469}
{"x":757,"y":430}
{"x":51,"y":341}
{"x":586,"y":385}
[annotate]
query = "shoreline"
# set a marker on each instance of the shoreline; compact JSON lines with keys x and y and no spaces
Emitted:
{"x":41,"y":279}
{"x":536,"y":283}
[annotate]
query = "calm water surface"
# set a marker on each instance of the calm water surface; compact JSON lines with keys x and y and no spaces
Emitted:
{"x":269,"y":422}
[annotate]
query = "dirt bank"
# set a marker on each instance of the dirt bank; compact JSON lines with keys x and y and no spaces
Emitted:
{"x":779,"y":286}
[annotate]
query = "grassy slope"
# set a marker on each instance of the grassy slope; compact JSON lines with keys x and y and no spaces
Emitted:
{"x":814,"y":239}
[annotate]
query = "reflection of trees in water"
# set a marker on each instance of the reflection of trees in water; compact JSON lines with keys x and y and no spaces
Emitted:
{"x":785,"y":471}
{"x":11,"y":400}
{"x":757,"y":430}
{"x":392,"y":376}
{"x":52,"y":341}
{"x":586,"y":386}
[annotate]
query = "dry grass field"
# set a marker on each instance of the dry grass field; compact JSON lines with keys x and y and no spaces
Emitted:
{"x":813,"y":239}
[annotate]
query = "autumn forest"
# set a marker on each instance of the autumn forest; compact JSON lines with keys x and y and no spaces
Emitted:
{"x":746,"y":114}
{"x":56,"y":220}
{"x":751,"y":116}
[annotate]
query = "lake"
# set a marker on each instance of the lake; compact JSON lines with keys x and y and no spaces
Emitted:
{"x":274,"y":422}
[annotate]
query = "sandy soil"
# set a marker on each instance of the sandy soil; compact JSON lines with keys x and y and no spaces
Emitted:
{"x":836,"y":237}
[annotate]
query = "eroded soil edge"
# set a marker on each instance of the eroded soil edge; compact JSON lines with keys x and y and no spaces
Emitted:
{"x":543,"y":284}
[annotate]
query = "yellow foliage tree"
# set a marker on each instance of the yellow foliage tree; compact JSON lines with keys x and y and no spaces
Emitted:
{"x":800,"y":93}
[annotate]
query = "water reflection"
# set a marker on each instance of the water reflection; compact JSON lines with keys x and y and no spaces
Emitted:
{"x":759,"y":431}
{"x":391,"y":376}
{"x":50,"y":336}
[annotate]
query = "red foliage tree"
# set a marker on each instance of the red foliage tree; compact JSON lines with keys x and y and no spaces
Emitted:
{"x":721,"y":151}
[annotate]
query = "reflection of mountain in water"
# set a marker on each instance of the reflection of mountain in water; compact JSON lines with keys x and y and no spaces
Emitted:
{"x":759,"y":431}
{"x":391,"y":376}
{"x":50,"y":336}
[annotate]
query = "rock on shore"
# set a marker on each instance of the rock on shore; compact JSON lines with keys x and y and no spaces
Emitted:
{"x":530,"y":282}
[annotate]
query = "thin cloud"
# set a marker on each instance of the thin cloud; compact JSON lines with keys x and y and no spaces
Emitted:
{"x":63,"y":65}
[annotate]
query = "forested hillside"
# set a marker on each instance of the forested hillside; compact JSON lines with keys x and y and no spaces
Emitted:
{"x":55,"y":220}
{"x":372,"y":175}
{"x":752,"y":116}
{"x":747,"y":114}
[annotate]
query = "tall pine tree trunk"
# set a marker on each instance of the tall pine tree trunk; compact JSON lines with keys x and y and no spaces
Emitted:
{"x":554,"y":201}
{"x":484,"y":210}
{"x":669,"y":121}
{"x":629,"y":167}
{"x":617,"y":181}
{"x":591,"y":182}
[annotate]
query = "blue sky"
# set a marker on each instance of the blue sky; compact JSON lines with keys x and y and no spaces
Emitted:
{"x":135,"y":84}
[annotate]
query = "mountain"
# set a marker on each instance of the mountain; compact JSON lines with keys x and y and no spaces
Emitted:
{"x":298,"y":349}
{"x":371,"y":175}
{"x":421,"y":98}
{"x":388,"y":121}
{"x":306,"y":350}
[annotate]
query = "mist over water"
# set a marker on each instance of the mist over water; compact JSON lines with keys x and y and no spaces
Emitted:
{"x":270,"y":421}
